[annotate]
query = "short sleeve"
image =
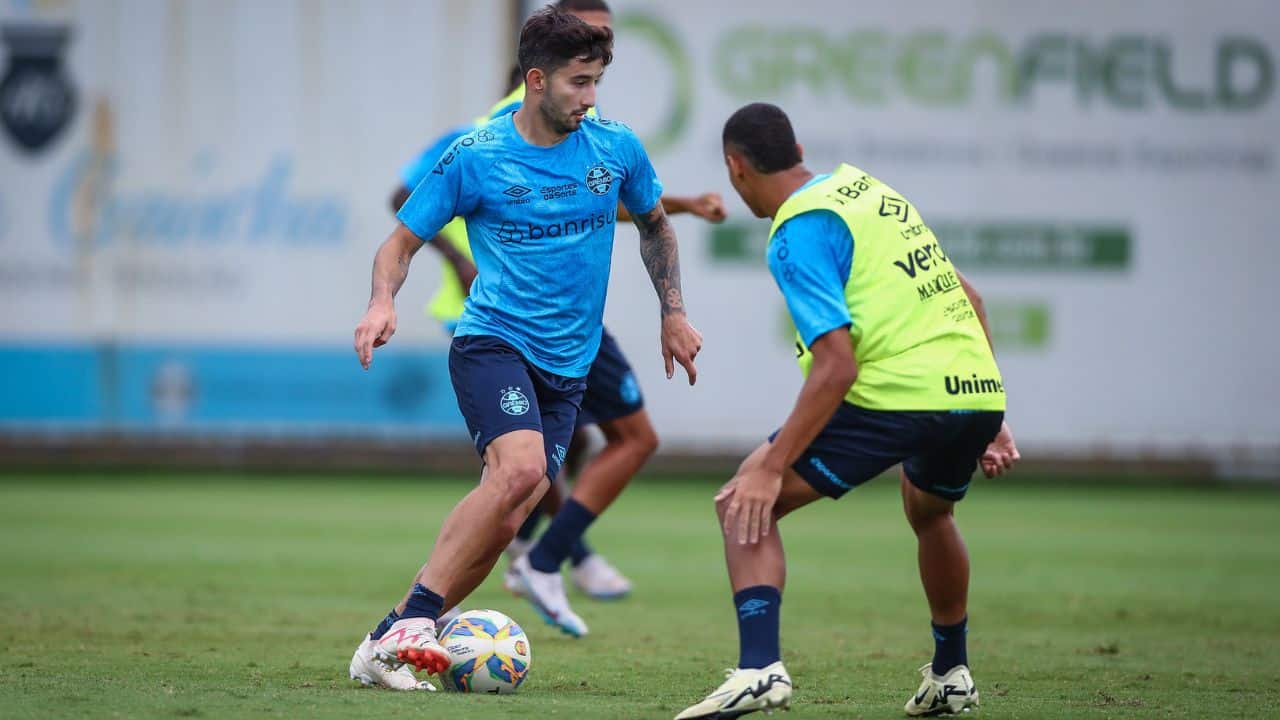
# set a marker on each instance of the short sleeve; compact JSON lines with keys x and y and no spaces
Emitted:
{"x":445,"y":192}
{"x":810,"y":257}
{"x":641,"y":190}
{"x":412,"y":173}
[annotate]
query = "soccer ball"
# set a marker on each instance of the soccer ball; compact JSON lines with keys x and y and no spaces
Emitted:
{"x":488,"y":652}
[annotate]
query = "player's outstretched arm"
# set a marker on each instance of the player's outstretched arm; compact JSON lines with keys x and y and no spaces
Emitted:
{"x":390,"y":268}
{"x":680,"y":341}
{"x":708,"y":206}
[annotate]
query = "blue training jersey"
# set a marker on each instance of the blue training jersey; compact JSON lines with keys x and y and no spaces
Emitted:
{"x":413,"y":173}
{"x":811,"y":268}
{"x":541,"y":222}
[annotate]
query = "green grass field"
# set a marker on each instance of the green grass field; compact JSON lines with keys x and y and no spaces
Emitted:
{"x":243,"y":596}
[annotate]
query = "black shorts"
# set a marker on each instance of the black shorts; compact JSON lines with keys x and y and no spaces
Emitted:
{"x":499,"y":391}
{"x":939,"y":450}
{"x":612,"y":390}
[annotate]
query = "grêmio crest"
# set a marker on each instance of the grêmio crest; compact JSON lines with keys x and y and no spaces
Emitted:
{"x":37,"y":101}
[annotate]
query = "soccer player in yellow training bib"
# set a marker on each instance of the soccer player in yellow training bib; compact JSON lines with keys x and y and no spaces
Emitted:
{"x":898,"y":369}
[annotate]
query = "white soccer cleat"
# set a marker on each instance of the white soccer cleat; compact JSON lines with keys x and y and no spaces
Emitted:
{"x":510,"y":578}
{"x":512,"y":583}
{"x":546,"y":592}
{"x":595,"y":577}
{"x":412,"y":641}
{"x":372,"y":666}
{"x":745,"y":691}
{"x":517,"y":549}
{"x":945,"y":695}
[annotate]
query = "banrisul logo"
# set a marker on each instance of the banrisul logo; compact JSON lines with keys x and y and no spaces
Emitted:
{"x":37,"y":101}
{"x":874,"y":66}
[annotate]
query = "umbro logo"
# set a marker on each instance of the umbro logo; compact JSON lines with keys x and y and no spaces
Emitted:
{"x":891,"y":206}
{"x":517,"y":191}
{"x":752,"y":607}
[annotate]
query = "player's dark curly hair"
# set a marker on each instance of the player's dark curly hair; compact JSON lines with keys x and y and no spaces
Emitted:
{"x":551,"y":38}
{"x":763,"y":134}
{"x":583,"y":6}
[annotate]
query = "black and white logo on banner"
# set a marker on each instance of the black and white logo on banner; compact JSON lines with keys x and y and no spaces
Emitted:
{"x":37,"y":100}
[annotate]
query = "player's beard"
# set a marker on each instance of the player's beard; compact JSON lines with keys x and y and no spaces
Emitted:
{"x":562,"y":122}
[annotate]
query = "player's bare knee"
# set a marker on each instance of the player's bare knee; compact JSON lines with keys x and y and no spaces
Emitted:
{"x":526,"y":477}
{"x":517,"y":479}
{"x":645,"y":441}
{"x":634,"y":433}
{"x":924,"y":511}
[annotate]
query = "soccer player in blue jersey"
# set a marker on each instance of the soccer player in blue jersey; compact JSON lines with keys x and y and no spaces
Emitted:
{"x":532,"y":322}
{"x":613,"y":401}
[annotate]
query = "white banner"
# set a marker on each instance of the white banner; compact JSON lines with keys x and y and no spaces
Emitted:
{"x":1105,"y":173}
{"x":192,"y":194}
{"x":224,"y":167}
{"x":217,"y":173}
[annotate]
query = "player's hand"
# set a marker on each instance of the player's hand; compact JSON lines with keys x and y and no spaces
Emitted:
{"x":680,"y":344}
{"x":709,"y":206}
{"x":375,"y":329}
{"x":752,"y":495}
{"x":1001,"y":454}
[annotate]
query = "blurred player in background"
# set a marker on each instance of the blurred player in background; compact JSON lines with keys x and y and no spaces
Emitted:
{"x":898,"y":367}
{"x":613,"y":402}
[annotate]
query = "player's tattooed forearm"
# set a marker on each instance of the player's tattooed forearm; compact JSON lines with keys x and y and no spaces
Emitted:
{"x":661,"y":258}
{"x":673,"y":300}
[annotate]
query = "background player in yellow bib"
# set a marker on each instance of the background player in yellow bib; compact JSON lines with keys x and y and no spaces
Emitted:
{"x":898,"y":369}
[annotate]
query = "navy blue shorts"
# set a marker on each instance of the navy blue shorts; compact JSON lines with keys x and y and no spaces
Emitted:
{"x":499,"y":391}
{"x":612,"y":390}
{"x":939,"y":450}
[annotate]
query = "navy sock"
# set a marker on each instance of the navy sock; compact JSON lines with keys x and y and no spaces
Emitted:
{"x":949,"y":646}
{"x":423,"y":603}
{"x":553,"y":547}
{"x":759,"y":611}
{"x":579,"y":551}
{"x":530,"y":525}
{"x":385,"y":625}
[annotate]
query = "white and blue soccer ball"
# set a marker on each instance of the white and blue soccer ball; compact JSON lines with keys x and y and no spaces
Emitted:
{"x":488,"y":653}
